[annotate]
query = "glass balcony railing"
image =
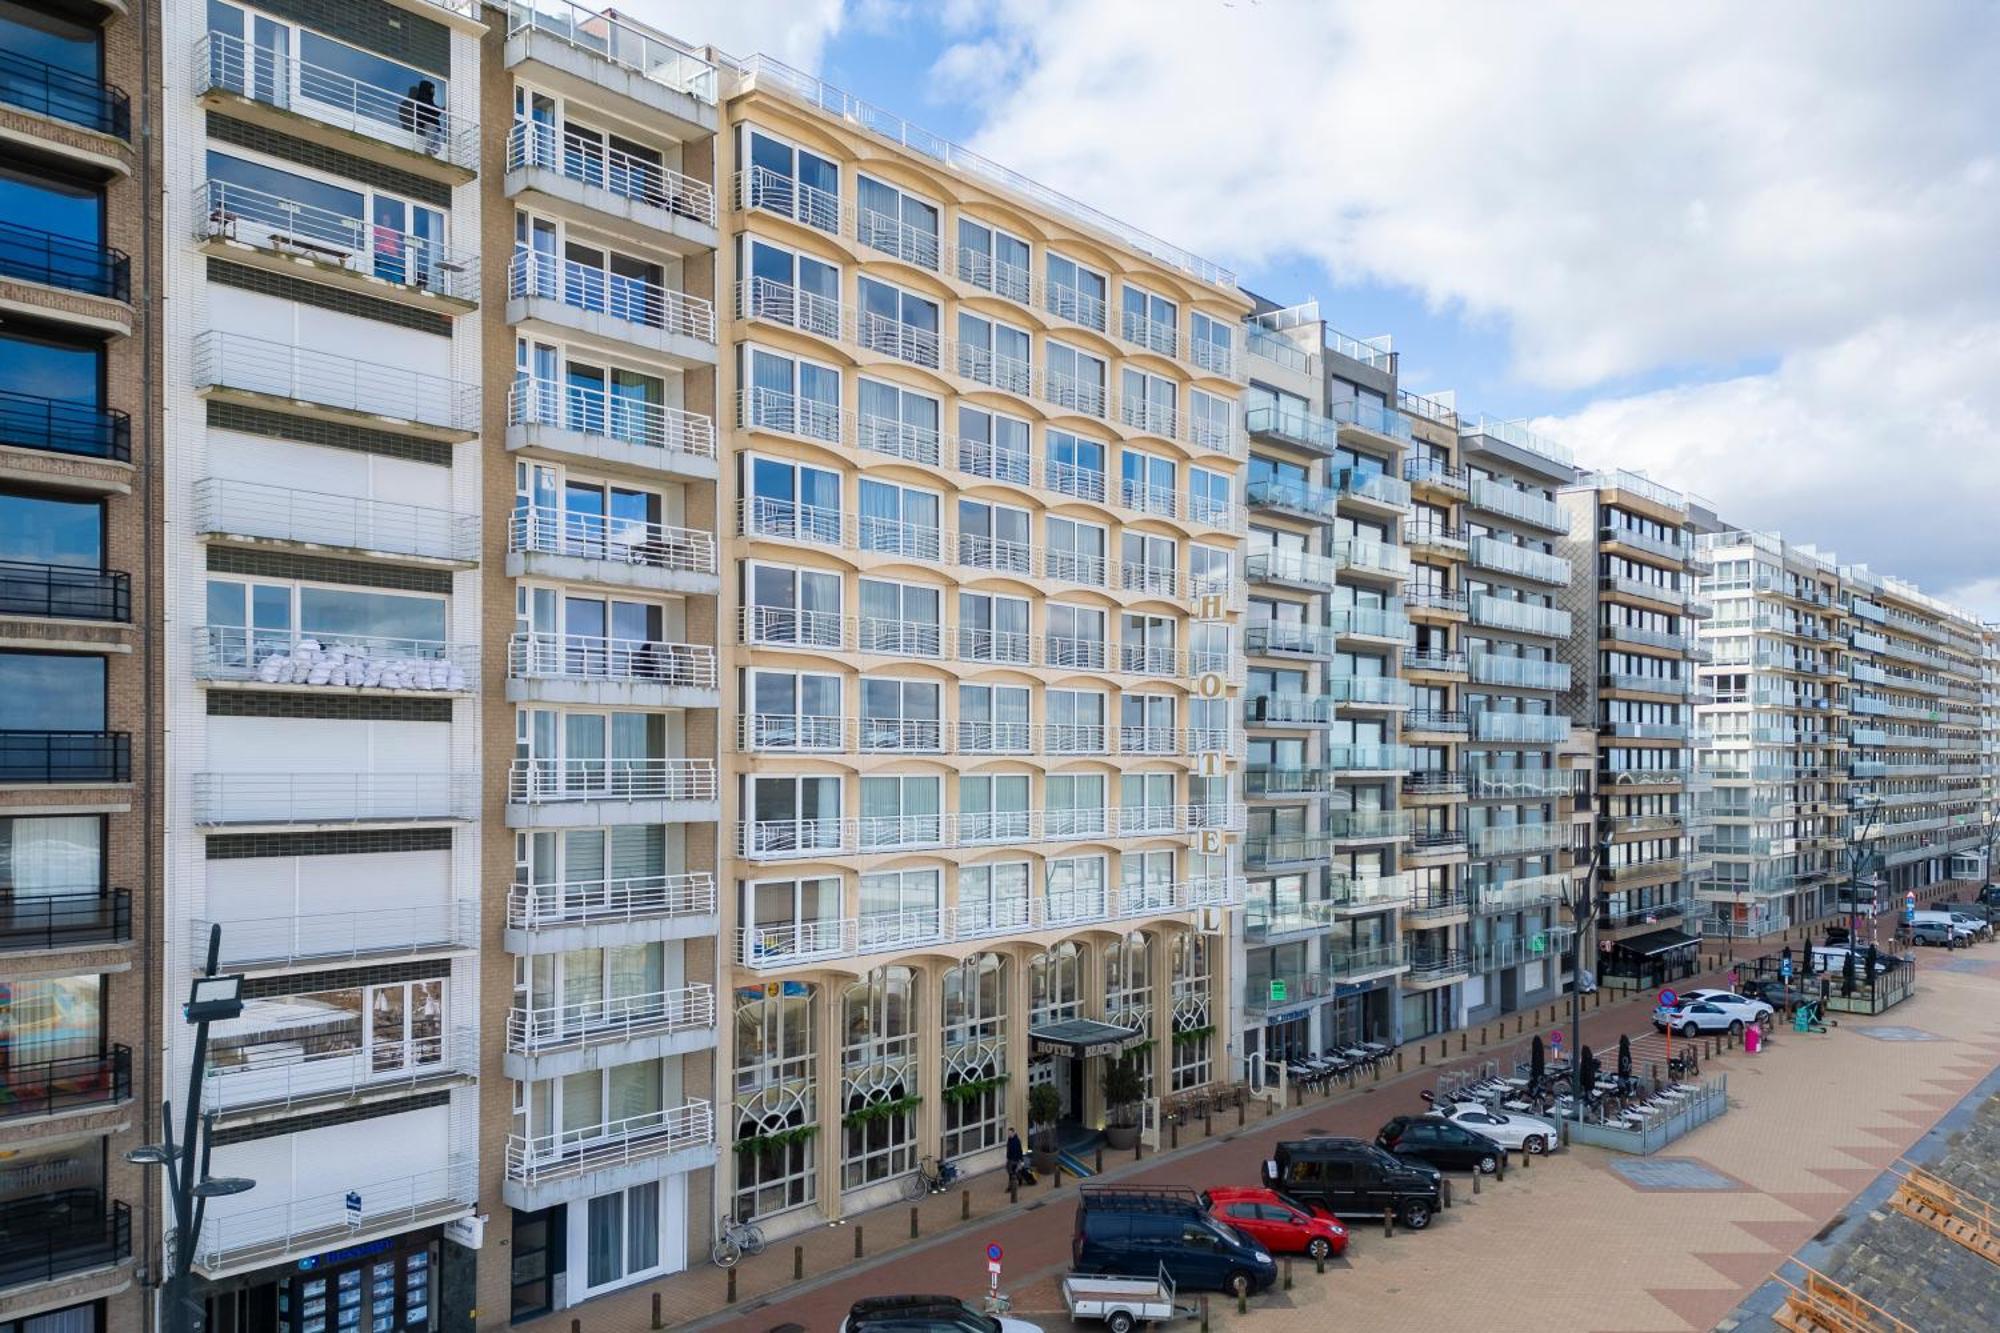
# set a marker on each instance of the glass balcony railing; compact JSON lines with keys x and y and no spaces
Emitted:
{"x":1376,"y":487}
{"x":1375,"y":418}
{"x":1293,"y":497}
{"x":1523,"y":839}
{"x":1536,"y":510}
{"x":1380,"y":691}
{"x":609,"y":37}
{"x":1376,"y":622}
{"x":1521,"y":617}
{"x":1368,"y":758}
{"x":1291,"y":567}
{"x":1269,"y":851}
{"x":1372,"y":557}
{"x":37,"y":86}
{"x":1295,"y":710}
{"x":1369,"y":825}
{"x":1298,"y":429}
{"x":1520,"y":672}
{"x":1508,"y":558}
{"x":1519,"y":728}
{"x":1273,"y":638}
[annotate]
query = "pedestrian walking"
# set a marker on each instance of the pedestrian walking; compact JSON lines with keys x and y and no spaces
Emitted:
{"x":1014,"y":1155}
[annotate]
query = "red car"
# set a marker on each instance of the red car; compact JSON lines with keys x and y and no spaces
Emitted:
{"x":1281,"y":1225}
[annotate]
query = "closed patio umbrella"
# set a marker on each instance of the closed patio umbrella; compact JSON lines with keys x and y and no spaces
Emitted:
{"x":1537,"y":1064}
{"x":1624,"y":1057}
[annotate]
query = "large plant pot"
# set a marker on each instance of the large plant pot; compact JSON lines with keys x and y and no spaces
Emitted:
{"x":1043,"y":1160}
{"x":1120,"y":1136}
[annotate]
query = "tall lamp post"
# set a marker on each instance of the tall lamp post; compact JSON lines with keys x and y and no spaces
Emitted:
{"x":1582,"y":903}
{"x":1860,"y":852}
{"x":211,"y":998}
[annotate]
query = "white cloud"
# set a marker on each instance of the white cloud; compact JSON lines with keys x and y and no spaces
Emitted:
{"x":795,"y":31}
{"x":1667,"y":191}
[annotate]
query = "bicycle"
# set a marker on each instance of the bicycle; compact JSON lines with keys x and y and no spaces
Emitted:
{"x":931,"y":1177}
{"x":737,"y":1239}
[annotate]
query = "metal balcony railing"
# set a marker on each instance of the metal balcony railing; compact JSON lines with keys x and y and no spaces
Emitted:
{"x":66,"y":918}
{"x":608,"y":416}
{"x":533,"y":656}
{"x":308,"y":1223}
{"x":1439,"y":476}
{"x":568,"y":1027}
{"x":62,"y":261}
{"x":28,"y":421}
{"x":397,"y":117}
{"x":47,"y":1236}
{"x":784,"y":838}
{"x":648,"y":54}
{"x":627,"y":898}
{"x":225,"y":360}
{"x":546,"y":530}
{"x":65,"y":757}
{"x":893,"y":236}
{"x":31,"y":1087}
{"x":64,"y":592}
{"x":588,"y":161}
{"x":308,"y":1074}
{"x":765,"y":190}
{"x":333,"y":661}
{"x":37,"y":86}
{"x":372,"y":932}
{"x":577,"y":1152}
{"x":332,"y":798}
{"x":540,"y":781}
{"x":229,"y":507}
{"x":267,"y":221}
{"x":534,"y":276}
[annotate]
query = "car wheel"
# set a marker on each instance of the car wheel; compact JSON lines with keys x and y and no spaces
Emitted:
{"x":1688,"y":1029}
{"x":1534,"y":1145}
{"x":1119,"y":1322}
{"x":1416,"y":1216}
{"x":1735,"y":1027}
{"x":1488,"y":1165}
{"x":1318,"y":1248}
{"x":1237,"y":1284}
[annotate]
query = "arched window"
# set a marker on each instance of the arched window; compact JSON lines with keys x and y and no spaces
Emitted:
{"x":974,"y":1009}
{"x":878,"y":1075}
{"x":776,"y":1113}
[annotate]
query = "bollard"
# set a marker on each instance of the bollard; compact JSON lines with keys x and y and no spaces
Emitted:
{"x":965,"y":1205}
{"x":1204,"y":1314}
{"x":1399,"y":1062}
{"x":1100,"y":1158}
{"x":576,"y":1326}
{"x":1475,"y":1182}
{"x":1388,"y":1221}
{"x":1138,"y":1150}
{"x":1565,"y":1133}
{"x":1501,"y":1174}
{"x":1288,"y":1274}
{"x":1444,"y":1049}
{"x":1319,"y":1265}
{"x":798,"y":1263}
{"x":657,"y":1321}
{"x":1176,"y":1128}
{"x":1055,"y":1177}
{"x":1270,"y":1108}
{"x":1461,"y":1043}
{"x":729,"y":1298}
{"x":1239,"y":1112}
{"x":913,"y":1224}
{"x":1527,"y":1160}
{"x":1377,"y":1067}
{"x":1208,"y":1124}
{"x":1423,"y":1055}
{"x":1447,"y":1191}
{"x":857,"y":1244}
{"x":1013,"y":1190}
{"x":1519,"y":1024}
{"x":1242,"y":1302}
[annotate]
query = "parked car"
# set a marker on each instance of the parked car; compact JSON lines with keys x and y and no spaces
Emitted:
{"x":1138,"y":1231}
{"x":1691,"y":1018}
{"x":1830,"y":961}
{"x":1276,"y":1223}
{"x":1987,"y":912}
{"x":1440,"y":1143}
{"x":1350,"y":1178}
{"x":1771,"y":990}
{"x":1989,"y":894}
{"x":1513,"y":1132}
{"x":926,"y":1314}
{"x":1939,"y":934}
{"x":1977,"y":923}
{"x":1744,"y":1008}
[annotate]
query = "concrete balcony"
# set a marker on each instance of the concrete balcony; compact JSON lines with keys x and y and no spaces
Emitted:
{"x":585,"y":669}
{"x":75,"y":919}
{"x":1430,"y":475}
{"x":419,"y":930}
{"x":589,"y":914}
{"x":99,"y":438}
{"x":795,"y":839}
{"x":559,"y":1040}
{"x":1511,"y":502}
{"x":80,"y":283}
{"x":570,"y":793}
{"x":1510,"y":558}
{"x":1520,"y":728}
{"x":1620,"y":534}
{"x":252,"y":513}
{"x":1520,"y":617}
{"x":1347,"y":966}
{"x":1380,"y":624}
{"x":1375,"y":492}
{"x":295,"y":799}
{"x":1436,"y":538}
{"x":37,"y":1093}
{"x":57,"y":1235}
{"x":334,"y":109}
{"x":583,"y":1163}
{"x":84,"y":122}
{"x":281,"y":235}
{"x":238,"y":1237}
{"x":280,"y":1085}
{"x":65,"y":758}
{"x":602,"y":308}
{"x":551,"y":543}
{"x":643,"y":204}
{"x":1372,"y":559}
{"x":348,"y":664}
{"x":623,"y":435}
{"x":1437,"y":967}
{"x":324,"y":385}
{"x":1372,"y":422}
{"x":635,"y":72}
{"x":1296,"y":499}
{"x":65,"y":592}
{"x":1434,"y":662}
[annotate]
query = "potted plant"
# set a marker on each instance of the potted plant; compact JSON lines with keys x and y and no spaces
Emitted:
{"x":1123,"y":1091}
{"x":1044,"y":1105}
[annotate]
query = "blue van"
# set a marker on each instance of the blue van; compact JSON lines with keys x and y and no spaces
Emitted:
{"x":1134,"y":1231}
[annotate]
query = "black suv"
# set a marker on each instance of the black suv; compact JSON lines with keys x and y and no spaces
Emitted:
{"x":1350,"y":1178}
{"x":1440,"y":1143}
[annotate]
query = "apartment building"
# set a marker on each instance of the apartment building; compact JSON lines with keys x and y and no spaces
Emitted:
{"x":1914,"y":666}
{"x":598,"y":1129}
{"x":1633,"y":601}
{"x":1520,"y":795}
{"x":983,"y":514}
{"x":78,"y":683}
{"x":322,"y":371}
{"x":1989,"y":750}
{"x":1775,"y":715}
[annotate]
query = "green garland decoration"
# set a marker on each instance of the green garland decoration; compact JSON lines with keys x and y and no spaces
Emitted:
{"x":1191,"y":1035}
{"x":974,"y":1087}
{"x":782,"y":1138}
{"x":881,"y":1111}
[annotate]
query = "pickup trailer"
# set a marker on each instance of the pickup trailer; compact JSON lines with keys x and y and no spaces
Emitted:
{"x":1121,"y":1302}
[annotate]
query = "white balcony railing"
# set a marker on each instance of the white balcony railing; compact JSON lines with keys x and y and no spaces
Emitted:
{"x":648,"y":54}
{"x":332,"y":798}
{"x":607,"y":416}
{"x":225,"y":360}
{"x":278,"y":513}
{"x":777,"y":302}
{"x":532,"y":656}
{"x":783,"y":838}
{"x":785,"y":944}
{"x":531,"y":1161}
{"x":764,"y":190}
{"x":588,"y":161}
{"x":568,"y":1027}
{"x":541,"y":781}
{"x":334,"y":661}
{"x":274,"y":1081}
{"x":534,"y":276}
{"x":546,"y":530}
{"x":629,"y":898}
{"x":261,"y":220}
{"x":394,"y":116}
{"x":374,"y":932}
{"x":309,"y":1223}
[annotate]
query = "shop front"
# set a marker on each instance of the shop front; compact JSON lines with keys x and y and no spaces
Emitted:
{"x":379,"y":1286}
{"x":1653,"y":959}
{"x":1066,"y":1053}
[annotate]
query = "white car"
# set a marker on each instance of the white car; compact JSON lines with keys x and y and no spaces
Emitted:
{"x":1521,"y":1133}
{"x":1700,"y":1017}
{"x":1736,"y":1006}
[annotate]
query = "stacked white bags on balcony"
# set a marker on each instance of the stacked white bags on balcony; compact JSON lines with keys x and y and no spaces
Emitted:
{"x":346,"y":666}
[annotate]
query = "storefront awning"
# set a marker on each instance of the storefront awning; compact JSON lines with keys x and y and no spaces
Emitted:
{"x":1655,"y":942}
{"x":1081,"y":1037}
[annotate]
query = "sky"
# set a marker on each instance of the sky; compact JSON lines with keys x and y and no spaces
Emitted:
{"x":1752,"y":251}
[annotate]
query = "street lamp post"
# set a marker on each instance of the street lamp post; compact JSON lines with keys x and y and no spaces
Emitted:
{"x":211,"y":998}
{"x":1582,"y":903}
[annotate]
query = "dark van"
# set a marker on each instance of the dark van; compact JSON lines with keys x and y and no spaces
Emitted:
{"x":1131,"y":1231}
{"x":1350,"y":1178}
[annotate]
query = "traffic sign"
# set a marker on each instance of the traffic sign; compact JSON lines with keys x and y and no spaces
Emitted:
{"x":1668,"y":999}
{"x":993,"y":1252}
{"x":1277,"y":991}
{"x":1785,"y":968}
{"x":1556,"y":1040}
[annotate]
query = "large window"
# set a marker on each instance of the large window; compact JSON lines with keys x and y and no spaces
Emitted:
{"x":50,"y":856}
{"x":901,"y":619}
{"x":1075,"y":292}
{"x":993,"y":898}
{"x":974,"y":1016}
{"x":385,"y":1028}
{"x":51,"y":1018}
{"x":776,"y":1046}
{"x":792,"y":182}
{"x":901,"y":811}
{"x":791,"y":396}
{"x":896,"y":223}
{"x":993,"y":807}
{"x":793,"y":814}
{"x":897,"y":323}
{"x":991,"y":445}
{"x":878,"y":1059}
{"x":992,"y":629}
{"x":624,"y":1236}
{"x":51,"y":692}
{"x":992,"y":259}
{"x":1193,"y":1015}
